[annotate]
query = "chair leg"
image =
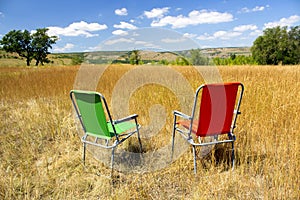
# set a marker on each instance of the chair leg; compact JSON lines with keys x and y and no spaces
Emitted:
{"x":232,"y":156}
{"x":138,"y":133}
{"x":195,"y":163}
{"x":83,"y":153}
{"x":173,"y":138}
{"x":112,"y":161}
{"x":139,"y":138}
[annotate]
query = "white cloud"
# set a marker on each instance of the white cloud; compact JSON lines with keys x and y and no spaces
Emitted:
{"x":119,"y":40}
{"x":189,"y":35}
{"x":141,"y":42}
{"x":231,"y":34}
{"x":220,"y":34}
{"x":86,"y":26}
{"x":125,"y":25}
{"x":77,"y":29}
{"x":67,"y":46}
{"x":243,"y":28}
{"x":205,"y":36}
{"x":283,"y":22}
{"x":146,"y":45}
{"x":195,"y":17}
{"x":135,"y":34}
{"x":255,"y":9}
{"x":258,"y":8}
{"x":256,"y":33}
{"x":156,"y":12}
{"x":236,"y":32}
{"x":121,"y":12}
{"x":171,"y":40}
{"x":244,"y":10}
{"x":223,"y":35}
{"x":120,"y":32}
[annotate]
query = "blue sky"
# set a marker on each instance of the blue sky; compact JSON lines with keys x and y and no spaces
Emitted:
{"x":86,"y":25}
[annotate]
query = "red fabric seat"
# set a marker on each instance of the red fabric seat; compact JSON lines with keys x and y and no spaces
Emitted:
{"x":216,"y":110}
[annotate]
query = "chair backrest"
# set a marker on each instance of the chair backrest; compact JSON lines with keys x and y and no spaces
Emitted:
{"x":90,"y":110}
{"x":217,"y":107}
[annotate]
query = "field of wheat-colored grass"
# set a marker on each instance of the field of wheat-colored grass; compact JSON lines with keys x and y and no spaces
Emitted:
{"x":40,"y":148}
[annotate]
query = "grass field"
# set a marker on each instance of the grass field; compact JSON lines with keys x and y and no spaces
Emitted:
{"x":40,"y":148}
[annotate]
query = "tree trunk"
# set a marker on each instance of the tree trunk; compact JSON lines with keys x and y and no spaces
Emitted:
{"x":28,"y":62}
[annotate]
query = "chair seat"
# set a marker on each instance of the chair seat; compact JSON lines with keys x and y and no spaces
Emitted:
{"x":186,"y":124}
{"x":120,"y":128}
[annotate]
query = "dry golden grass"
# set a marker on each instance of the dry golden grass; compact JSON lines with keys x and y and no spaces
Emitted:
{"x":41,"y":151}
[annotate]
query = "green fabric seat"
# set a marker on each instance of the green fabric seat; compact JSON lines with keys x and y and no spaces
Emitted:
{"x":92,"y":110}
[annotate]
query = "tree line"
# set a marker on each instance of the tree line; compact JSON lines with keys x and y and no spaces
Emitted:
{"x":278,"y":45}
{"x":29,"y":45}
{"x":275,"y":46}
{"x":234,"y":59}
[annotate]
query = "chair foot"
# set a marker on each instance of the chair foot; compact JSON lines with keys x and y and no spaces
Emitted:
{"x":195,"y":163}
{"x":83,"y":154}
{"x":232,"y":156}
{"x":112,"y":161}
{"x":141,"y":147}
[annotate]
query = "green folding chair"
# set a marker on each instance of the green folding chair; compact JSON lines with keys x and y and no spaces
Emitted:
{"x":99,"y":128}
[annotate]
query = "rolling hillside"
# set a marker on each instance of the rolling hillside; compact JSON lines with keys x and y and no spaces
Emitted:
{"x":104,"y":57}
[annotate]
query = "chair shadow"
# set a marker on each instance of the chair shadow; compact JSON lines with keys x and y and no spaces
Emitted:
{"x":220,"y":156}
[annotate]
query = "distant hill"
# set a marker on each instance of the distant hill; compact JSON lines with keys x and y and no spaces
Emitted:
{"x":222,"y":52}
{"x":105,"y":57}
{"x":226,"y":52}
{"x":148,"y":56}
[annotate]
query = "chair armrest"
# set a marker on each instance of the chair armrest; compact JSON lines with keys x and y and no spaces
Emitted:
{"x":130,"y":117}
{"x":180,"y":114}
{"x":237,"y":112}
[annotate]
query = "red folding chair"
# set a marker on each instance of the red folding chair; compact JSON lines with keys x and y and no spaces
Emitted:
{"x":219,"y":108}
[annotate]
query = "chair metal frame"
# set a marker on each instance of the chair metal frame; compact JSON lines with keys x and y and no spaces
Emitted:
{"x":115,"y":137}
{"x":187,"y":132}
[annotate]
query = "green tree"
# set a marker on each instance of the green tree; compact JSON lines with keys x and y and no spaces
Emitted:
{"x":197,"y":58}
{"x":135,"y":57}
{"x":30,"y":46}
{"x":277,"y":46}
{"x":41,"y":42}
{"x":235,"y":60}
{"x":164,"y":62}
{"x":17,"y":41}
{"x":180,"y":60}
{"x":294,"y":45}
{"x":77,"y":59}
{"x":232,"y":56}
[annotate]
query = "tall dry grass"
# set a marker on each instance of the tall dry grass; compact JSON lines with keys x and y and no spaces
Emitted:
{"x":41,"y":151}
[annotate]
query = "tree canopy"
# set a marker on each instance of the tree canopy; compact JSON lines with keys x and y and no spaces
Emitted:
{"x":277,"y":46}
{"x":135,"y":57}
{"x":30,"y":46}
{"x":197,"y":58}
